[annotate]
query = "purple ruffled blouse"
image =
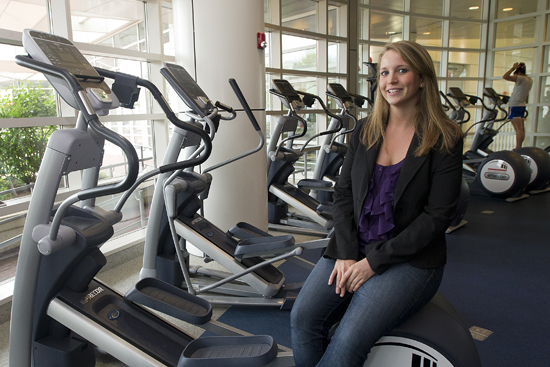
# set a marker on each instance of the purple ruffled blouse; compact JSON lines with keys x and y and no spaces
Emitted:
{"x":376,"y":221}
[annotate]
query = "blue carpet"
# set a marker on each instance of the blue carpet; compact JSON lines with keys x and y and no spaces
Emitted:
{"x":268,"y":320}
{"x":497,"y":278}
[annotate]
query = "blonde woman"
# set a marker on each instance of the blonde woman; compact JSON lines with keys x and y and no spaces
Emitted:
{"x":397,"y":191}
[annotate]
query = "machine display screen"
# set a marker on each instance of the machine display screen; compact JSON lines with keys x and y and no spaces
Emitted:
{"x":491,"y":92}
{"x":339,"y":91}
{"x":186,"y":87}
{"x":457,"y":93}
{"x":285,"y":88}
{"x":66,"y":57}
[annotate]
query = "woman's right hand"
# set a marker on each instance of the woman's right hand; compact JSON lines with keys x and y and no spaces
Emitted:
{"x":340,"y":268}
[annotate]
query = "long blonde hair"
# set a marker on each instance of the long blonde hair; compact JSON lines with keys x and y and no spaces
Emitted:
{"x":432,"y":125}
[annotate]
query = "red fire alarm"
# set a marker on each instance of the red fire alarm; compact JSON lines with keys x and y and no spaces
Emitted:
{"x":260,"y":40}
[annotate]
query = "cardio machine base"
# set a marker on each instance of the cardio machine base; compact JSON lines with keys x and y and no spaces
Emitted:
{"x":539,"y":164}
{"x":502,"y":175}
{"x":435,"y":336}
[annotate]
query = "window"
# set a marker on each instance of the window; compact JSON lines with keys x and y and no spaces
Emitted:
{"x":386,"y":27}
{"x":390,"y":4}
{"x":463,"y":64}
{"x":18,"y":15}
{"x":510,"y":8}
{"x":515,"y":32}
{"x":426,"y":31}
{"x":299,"y":53}
{"x":118,"y":24}
{"x":466,"y":9}
{"x":302,"y":15}
{"x":465,"y":35}
{"x":118,"y":33}
{"x":432,"y":7}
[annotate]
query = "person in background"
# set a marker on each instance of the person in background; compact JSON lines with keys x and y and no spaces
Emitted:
{"x":518,"y":99}
{"x":397,"y":192}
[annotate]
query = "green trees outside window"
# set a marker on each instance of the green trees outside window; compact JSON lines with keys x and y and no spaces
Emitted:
{"x":21,"y":149}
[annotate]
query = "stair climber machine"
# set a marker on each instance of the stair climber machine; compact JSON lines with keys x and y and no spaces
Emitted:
{"x":537,"y":159}
{"x":311,"y":218}
{"x":245,"y":252}
{"x":59,"y":310}
{"x":503,"y":174}
{"x":333,"y":149}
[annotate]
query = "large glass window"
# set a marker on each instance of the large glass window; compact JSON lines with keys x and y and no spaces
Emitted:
{"x":390,"y":4}
{"x":118,"y":24}
{"x":426,"y":31}
{"x":433,"y":7}
{"x":299,"y":53}
{"x":463,"y":64}
{"x":337,"y":19}
{"x":466,"y":9}
{"x":337,"y":57}
{"x":511,"y":8}
{"x":23,"y":94}
{"x":385,"y":27}
{"x":436,"y":58}
{"x":18,"y":15}
{"x":546,"y":62}
{"x":465,"y":35}
{"x":299,"y":14}
{"x":515,"y":32}
{"x":117,"y":30}
{"x":168,"y":31}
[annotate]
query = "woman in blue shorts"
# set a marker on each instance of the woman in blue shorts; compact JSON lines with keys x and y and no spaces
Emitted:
{"x":518,"y":100}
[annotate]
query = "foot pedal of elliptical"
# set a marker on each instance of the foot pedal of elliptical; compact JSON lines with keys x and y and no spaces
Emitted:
{"x":170,"y":300}
{"x":240,"y":351}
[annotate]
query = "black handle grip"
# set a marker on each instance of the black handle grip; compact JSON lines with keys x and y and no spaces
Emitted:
{"x":67,"y":76}
{"x":244,"y":103}
{"x":131,"y":156}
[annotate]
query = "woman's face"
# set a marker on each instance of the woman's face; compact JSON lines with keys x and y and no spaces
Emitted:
{"x":399,"y":84}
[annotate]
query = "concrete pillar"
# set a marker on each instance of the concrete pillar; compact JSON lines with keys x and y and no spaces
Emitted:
{"x":223,"y":47}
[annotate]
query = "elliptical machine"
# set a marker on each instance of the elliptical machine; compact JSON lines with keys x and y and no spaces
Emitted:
{"x":59,"y":311}
{"x":503,"y":175}
{"x":333,"y":149}
{"x":245,"y":252}
{"x":537,"y":159}
{"x":312,"y":217}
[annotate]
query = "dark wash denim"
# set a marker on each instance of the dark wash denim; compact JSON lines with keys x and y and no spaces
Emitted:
{"x":381,"y":303}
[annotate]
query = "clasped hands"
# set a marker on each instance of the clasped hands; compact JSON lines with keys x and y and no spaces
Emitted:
{"x":350,"y":275}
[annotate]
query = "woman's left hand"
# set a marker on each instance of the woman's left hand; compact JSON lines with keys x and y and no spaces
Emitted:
{"x":357,"y":274}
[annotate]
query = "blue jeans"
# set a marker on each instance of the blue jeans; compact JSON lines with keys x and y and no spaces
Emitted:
{"x":380,"y":304}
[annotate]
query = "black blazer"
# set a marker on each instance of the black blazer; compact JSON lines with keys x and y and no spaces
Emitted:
{"x":426,"y":195}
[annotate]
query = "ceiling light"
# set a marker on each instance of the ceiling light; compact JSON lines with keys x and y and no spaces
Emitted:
{"x":473,"y":7}
{"x":507,"y":9}
{"x":390,"y":33}
{"x":426,"y":33}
